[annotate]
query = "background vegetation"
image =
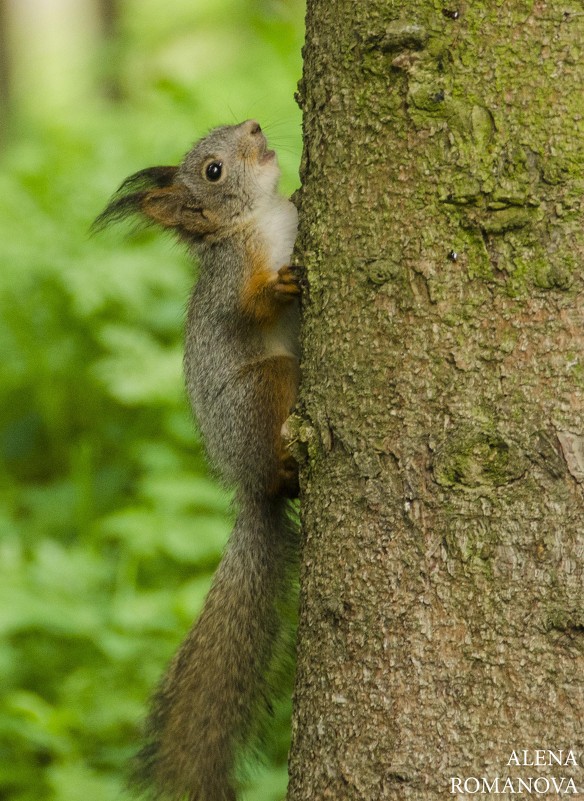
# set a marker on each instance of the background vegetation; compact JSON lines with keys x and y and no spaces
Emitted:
{"x":110,"y":528}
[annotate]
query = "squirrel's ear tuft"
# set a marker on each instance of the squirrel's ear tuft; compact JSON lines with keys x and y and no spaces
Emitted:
{"x":152,"y":193}
{"x":149,"y":178}
{"x":130,"y":197}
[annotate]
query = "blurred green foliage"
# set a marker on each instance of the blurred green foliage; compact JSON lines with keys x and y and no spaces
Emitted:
{"x":110,"y":528}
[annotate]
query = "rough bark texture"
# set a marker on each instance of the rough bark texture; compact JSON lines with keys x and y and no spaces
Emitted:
{"x":442,"y":621}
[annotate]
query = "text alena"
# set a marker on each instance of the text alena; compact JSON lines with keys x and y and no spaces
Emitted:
{"x":535,"y":785}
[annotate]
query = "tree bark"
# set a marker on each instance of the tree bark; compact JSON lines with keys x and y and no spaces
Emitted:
{"x":442,"y":621}
{"x":109,"y":19}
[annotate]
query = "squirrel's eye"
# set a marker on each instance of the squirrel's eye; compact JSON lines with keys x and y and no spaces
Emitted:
{"x":213,"y":170}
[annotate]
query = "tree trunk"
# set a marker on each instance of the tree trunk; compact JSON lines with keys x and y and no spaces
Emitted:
{"x":109,"y":19}
{"x":442,"y":231}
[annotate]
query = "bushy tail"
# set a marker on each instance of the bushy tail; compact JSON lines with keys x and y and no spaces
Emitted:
{"x":207,"y":705}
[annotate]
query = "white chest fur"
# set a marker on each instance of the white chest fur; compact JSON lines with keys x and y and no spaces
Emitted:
{"x":278,"y":224}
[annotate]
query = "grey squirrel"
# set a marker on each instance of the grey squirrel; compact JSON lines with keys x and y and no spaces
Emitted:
{"x":241,"y":366}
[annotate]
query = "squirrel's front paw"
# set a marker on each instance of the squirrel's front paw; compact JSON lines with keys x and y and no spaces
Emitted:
{"x":287,"y":282}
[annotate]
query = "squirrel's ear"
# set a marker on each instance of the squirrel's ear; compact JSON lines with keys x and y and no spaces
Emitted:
{"x":129,"y":198}
{"x":174,"y":207}
{"x":163,"y":206}
{"x":153,"y":194}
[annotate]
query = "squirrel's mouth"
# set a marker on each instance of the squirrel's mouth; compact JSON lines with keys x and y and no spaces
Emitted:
{"x":267,"y":156}
{"x":254,"y":147}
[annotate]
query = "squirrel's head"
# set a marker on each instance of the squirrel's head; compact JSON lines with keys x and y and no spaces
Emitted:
{"x":225,"y":177}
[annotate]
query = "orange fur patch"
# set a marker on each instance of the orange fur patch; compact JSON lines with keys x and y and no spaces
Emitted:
{"x":257,"y":297}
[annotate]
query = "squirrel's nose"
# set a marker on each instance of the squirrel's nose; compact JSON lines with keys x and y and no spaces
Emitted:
{"x":252,"y":126}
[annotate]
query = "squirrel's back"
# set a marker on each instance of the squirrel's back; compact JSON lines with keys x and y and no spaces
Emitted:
{"x":235,"y":364}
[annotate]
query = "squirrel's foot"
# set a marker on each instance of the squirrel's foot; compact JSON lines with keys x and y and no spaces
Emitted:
{"x":287,"y":282}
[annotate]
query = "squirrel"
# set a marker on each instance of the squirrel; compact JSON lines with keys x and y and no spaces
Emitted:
{"x":241,"y":367}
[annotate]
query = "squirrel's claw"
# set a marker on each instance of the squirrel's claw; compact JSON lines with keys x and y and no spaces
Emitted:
{"x":288,"y":281}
